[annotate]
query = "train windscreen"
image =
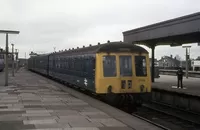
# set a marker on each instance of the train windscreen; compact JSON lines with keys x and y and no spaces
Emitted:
{"x":109,"y":66}
{"x":140,"y":64}
{"x":125,"y":65}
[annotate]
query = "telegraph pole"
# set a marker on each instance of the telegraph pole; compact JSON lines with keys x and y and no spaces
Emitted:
{"x":6,"y":61}
{"x":13,"y":73}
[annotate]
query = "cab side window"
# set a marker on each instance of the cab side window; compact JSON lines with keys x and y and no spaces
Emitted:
{"x":140,"y":64}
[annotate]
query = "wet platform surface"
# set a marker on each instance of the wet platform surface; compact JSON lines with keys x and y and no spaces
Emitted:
{"x":190,"y":86}
{"x":35,"y":102}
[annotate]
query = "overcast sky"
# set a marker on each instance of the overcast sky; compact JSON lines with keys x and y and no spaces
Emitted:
{"x":44,"y":24}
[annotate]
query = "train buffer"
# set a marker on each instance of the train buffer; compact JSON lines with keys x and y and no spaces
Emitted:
{"x":32,"y":101}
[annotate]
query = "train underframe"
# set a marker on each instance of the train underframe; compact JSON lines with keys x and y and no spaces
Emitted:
{"x":132,"y":100}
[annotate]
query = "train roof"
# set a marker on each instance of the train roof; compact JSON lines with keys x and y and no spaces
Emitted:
{"x":41,"y":55}
{"x":106,"y":47}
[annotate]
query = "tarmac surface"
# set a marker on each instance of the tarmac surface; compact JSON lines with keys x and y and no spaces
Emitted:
{"x":167,"y":82}
{"x":35,"y":102}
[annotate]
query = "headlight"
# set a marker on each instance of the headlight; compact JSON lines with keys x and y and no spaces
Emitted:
{"x":123,"y":84}
{"x":141,"y":88}
{"x":129,"y":84}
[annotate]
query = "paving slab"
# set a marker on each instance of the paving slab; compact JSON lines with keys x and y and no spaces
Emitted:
{"x":40,"y":121}
{"x":35,"y":102}
{"x":85,"y":124}
{"x":108,"y":122}
{"x":52,"y":126}
{"x":15,"y":125}
{"x":114,"y":128}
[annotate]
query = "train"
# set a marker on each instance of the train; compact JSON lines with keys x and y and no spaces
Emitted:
{"x":1,"y":62}
{"x":118,"y":72}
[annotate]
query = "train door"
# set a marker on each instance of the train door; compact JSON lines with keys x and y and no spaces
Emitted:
{"x":142,"y":73}
{"x":48,"y":64}
{"x":126,"y":71}
{"x":53,"y":69}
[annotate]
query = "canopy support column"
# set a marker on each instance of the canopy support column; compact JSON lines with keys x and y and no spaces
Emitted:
{"x":152,"y":62}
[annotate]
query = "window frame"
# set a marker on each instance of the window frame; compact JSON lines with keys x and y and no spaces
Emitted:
{"x":130,"y":63}
{"x":143,"y":67}
{"x":115,"y":60}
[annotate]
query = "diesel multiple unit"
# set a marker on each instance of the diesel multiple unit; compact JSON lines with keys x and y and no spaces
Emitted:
{"x":1,"y":62}
{"x":116,"y":71}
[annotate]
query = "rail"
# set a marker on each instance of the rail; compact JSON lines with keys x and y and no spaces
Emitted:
{"x":151,"y":122}
{"x":169,"y":117}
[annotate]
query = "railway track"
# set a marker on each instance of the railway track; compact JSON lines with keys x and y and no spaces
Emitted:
{"x":169,"y":117}
{"x":160,"y":115}
{"x":152,"y":122}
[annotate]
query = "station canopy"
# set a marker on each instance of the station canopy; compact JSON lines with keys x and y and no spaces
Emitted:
{"x":174,"y":32}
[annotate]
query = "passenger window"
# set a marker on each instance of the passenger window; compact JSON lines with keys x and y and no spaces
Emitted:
{"x":109,"y":66}
{"x":125,"y":65}
{"x":93,"y":63}
{"x":140,"y":64}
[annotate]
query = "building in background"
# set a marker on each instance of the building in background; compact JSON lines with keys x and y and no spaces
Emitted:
{"x":195,"y":64}
{"x":168,"y":62}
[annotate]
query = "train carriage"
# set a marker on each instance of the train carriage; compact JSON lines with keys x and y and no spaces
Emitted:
{"x":39,"y":64}
{"x":1,"y":62}
{"x":74,"y":67}
{"x":117,"y":71}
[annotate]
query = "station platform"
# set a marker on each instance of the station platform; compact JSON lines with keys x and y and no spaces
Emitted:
{"x":34,"y":102}
{"x":191,"y":86}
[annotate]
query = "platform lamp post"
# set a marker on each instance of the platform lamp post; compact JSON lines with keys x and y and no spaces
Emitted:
{"x":6,"y":55}
{"x":186,"y":59}
{"x":16,"y":53}
{"x":13,"y":73}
